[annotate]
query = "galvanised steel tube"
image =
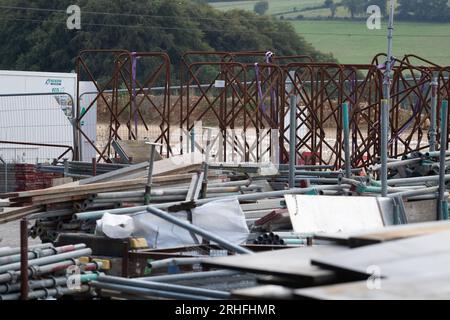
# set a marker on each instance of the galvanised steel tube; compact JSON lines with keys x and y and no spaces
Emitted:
{"x":386,"y":105}
{"x":145,"y":292}
{"x":36,"y":271}
{"x":245,"y":197}
{"x":46,"y":283}
{"x":412,"y":193}
{"x":46,"y":293}
{"x":190,"y":276}
{"x":12,"y":251}
{"x":47,"y":260}
{"x":33,"y":254}
{"x":165,"y":287}
{"x":346,"y":124}
{"x":441,"y":215}
{"x":197,"y":230}
{"x":415,"y":180}
{"x":292,"y":140}
{"x":434,"y":101}
{"x":400,"y":163}
{"x":328,"y":174}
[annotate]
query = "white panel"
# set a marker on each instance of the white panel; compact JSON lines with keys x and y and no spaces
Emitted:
{"x":331,"y":214}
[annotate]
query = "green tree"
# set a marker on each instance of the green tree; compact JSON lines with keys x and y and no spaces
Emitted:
{"x":39,"y":40}
{"x":332,"y":6}
{"x":261,"y":7}
{"x":419,"y":10}
{"x":354,"y":6}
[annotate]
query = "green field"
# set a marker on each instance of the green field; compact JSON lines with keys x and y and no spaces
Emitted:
{"x":275,"y":6}
{"x":351,"y":41}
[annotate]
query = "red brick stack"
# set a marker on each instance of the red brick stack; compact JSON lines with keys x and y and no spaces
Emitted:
{"x":28,"y":178}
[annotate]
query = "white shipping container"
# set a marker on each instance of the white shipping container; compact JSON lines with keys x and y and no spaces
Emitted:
{"x":38,"y":118}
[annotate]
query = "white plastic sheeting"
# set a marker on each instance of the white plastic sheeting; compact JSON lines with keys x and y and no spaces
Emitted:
{"x":224,"y":218}
{"x":115,"y":226}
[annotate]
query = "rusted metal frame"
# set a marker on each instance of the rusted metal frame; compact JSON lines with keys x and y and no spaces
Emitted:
{"x":204,"y":96}
{"x":239,"y":106}
{"x":335,"y":113}
{"x":414,"y":89}
{"x":114,"y":120}
{"x":311,"y":119}
{"x":319,"y":97}
{"x":274,"y":81}
{"x":424,"y":102}
{"x":69,"y":148}
{"x":100,"y":94}
{"x":359,"y":93}
{"x":92,"y":79}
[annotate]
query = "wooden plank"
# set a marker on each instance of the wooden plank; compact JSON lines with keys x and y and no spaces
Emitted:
{"x":409,"y":257}
{"x":292,"y":263}
{"x":15,"y":214}
{"x":420,"y":288}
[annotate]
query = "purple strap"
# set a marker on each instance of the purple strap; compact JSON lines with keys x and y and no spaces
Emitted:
{"x":133,"y":86}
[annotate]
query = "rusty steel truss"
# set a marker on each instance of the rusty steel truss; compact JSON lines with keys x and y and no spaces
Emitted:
{"x":244,"y":97}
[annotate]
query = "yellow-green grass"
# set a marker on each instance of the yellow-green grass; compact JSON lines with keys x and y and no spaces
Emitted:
{"x":353,"y":42}
{"x":275,"y":6}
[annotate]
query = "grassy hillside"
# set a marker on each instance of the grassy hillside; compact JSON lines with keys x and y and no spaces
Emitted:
{"x":275,"y":6}
{"x":351,"y":41}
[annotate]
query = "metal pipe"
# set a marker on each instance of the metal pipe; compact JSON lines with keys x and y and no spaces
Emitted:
{"x":292,"y":140}
{"x":434,"y":101}
{"x":11,"y":251}
{"x":166,"y":287}
{"x":396,"y":164}
{"x":386,"y":103}
{"x":94,"y":167}
{"x":197,"y":230}
{"x":47,"y":260}
{"x":411,"y":193}
{"x":46,"y":293}
{"x":145,"y":292}
{"x":244,"y":197}
{"x":33,"y":254}
{"x":24,"y":259}
{"x":190,"y":276}
{"x":148,"y":187}
{"x":441,"y":215}
{"x":346,"y":124}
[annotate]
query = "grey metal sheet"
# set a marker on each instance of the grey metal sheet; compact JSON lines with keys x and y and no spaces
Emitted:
{"x":292,"y":263}
{"x":412,"y":257}
{"x":420,"y":288}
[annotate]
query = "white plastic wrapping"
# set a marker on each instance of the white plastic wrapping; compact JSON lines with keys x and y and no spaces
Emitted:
{"x":223,"y":218}
{"x":115,"y":226}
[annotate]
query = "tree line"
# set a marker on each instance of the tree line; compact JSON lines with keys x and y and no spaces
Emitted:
{"x":34,"y":35}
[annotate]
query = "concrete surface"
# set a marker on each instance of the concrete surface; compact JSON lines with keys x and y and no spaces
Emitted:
{"x":10,"y":235}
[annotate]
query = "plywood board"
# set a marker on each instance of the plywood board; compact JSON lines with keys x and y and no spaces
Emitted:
{"x":311,"y":214}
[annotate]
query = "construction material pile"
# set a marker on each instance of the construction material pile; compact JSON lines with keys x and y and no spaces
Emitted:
{"x":53,"y":272}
